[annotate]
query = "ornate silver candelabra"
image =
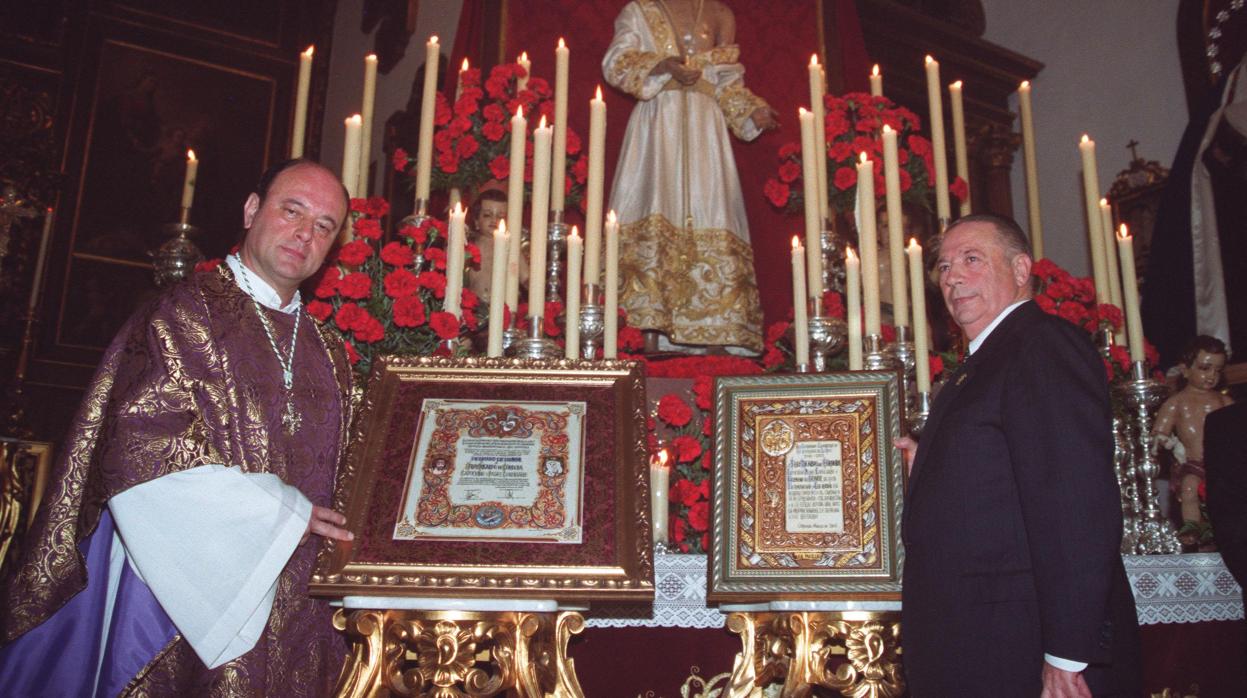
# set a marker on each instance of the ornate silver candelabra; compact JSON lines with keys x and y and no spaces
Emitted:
{"x":1142,"y":396}
{"x":874,"y":357}
{"x":828,"y":336}
{"x":556,"y":237}
{"x":832,"y":247}
{"x":1127,"y":482}
{"x":592,"y":322}
{"x":917,"y":417}
{"x":177,"y":258}
{"x":902,"y":353}
{"x":535,"y":345}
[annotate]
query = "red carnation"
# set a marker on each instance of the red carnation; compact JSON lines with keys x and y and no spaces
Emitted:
{"x":581,"y":170}
{"x":349,"y":316}
{"x":840,"y":151}
{"x":441,"y":111}
{"x":467,"y":147}
{"x":367,"y":228}
{"x":401,"y":282}
{"x":776,"y":192}
{"x":1046,"y":304}
{"x":369,"y":329}
{"x":396,"y":254}
{"x":674,"y":411}
{"x":351,"y":354}
{"x":683,"y":492}
{"x":472,"y":255}
{"x":209,"y":264}
{"x":493,"y":131}
{"x":699,"y":516}
{"x":500,"y":167}
{"x":846,"y":178}
{"x":687,"y":448}
{"x":772,"y":357}
{"x":496,"y":86}
{"x":937,"y":365}
{"x":446,"y":325}
{"x":354,"y":253}
{"x":358,"y":205}
{"x":437,"y":256}
{"x":906,"y":181}
{"x":494,"y":112}
{"x":433,"y":281}
{"x":409,"y":311}
{"x":959,"y":188}
{"x":327,"y":285}
{"x":1073,"y":312}
{"x":630,"y":339}
{"x":465,"y":106}
{"x":469,"y":299}
{"x":1111,"y":314}
{"x":919,"y":145}
{"x":448,"y":162}
{"x":400,"y":160}
{"x":319,"y":310}
{"x":357,"y":285}
{"x":789,"y":171}
{"x":789,"y":150}
{"x":573,"y":142}
{"x":460,"y":125}
{"x":703,"y":390}
{"x":833,"y":305}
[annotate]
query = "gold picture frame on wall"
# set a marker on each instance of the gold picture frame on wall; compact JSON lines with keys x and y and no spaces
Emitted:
{"x":808,"y":488}
{"x":499,"y":477}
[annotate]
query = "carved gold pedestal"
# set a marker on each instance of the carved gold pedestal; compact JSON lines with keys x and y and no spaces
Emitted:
{"x":798,"y":649}
{"x":457,"y":654}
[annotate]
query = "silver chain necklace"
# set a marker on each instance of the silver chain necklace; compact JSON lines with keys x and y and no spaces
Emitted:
{"x":290,"y":420}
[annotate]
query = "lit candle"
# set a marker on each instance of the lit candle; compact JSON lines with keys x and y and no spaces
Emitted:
{"x":876,"y":82}
{"x":188,"y":185}
{"x":611,"y":310}
{"x":896,"y":228}
{"x":497,"y":290}
{"x":959,"y":142}
{"x":42,"y":255}
{"x":659,"y":483}
{"x":820,"y":134}
{"x":365,"y":138}
{"x":1032,"y":171}
{"x":1110,"y":259}
{"x":593,"y":190}
{"x":515,"y":206}
{"x":558,"y":163}
{"x":800,"y":321}
{"x":428,"y":104}
{"x":575,"y":248}
{"x":853,"y":307}
{"x":527,"y":65}
{"x":934,"y":95}
{"x":813,"y":224}
{"x":922,"y":363}
{"x":350,"y":156}
{"x":298,"y":133}
{"x":1134,"y":324}
{"x":463,"y":68}
{"x":868,"y":238}
{"x":540,"y":219}
{"x":454,"y":262}
{"x":1091,"y":187}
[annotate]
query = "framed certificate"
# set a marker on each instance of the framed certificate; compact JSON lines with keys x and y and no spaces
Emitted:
{"x":496,"y":477}
{"x":807,"y":487}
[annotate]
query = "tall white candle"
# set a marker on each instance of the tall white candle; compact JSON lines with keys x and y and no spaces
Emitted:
{"x":428,"y":104}
{"x":463,"y":68}
{"x":1091,"y":187}
{"x":558,"y":163}
{"x":896,"y":228}
{"x":820,"y":134}
{"x":299,"y":131}
{"x":44,"y":238}
{"x":800,"y":319}
{"x":540,"y":219}
{"x":611,"y":310}
{"x":515,"y":206}
{"x":813,"y":224}
{"x":876,"y":82}
{"x":868,"y":238}
{"x":575,"y":250}
{"x":523,"y":62}
{"x":593,"y":189}
{"x":1110,"y":258}
{"x":188,"y":185}
{"x":959,"y":142}
{"x":922,"y":363}
{"x":853,"y":307}
{"x":935,"y":96}
{"x":350,"y":155}
{"x":1032,"y":168}
{"x":454,"y":262}
{"x":497,"y":290}
{"x":365,"y":138}
{"x":1134,"y":323}
{"x":659,"y":483}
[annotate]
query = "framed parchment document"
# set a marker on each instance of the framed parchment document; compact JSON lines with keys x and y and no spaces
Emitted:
{"x":498,"y":477}
{"x":807,"y":487}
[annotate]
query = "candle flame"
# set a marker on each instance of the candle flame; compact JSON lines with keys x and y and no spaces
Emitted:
{"x":457,"y":210}
{"x":502,"y":227}
{"x":519,"y":110}
{"x":1085,"y":138}
{"x":523,"y":57}
{"x":542,"y":123}
{"x":661,"y":457}
{"x":1123,"y":232}
{"x":796,"y":242}
{"x":1104,"y":203}
{"x":801,"y":111}
{"x":465,"y":65}
{"x":190,"y":155}
{"x":862,"y":158}
{"x":356,"y":120}
{"x":813,"y":59}
{"x":929,"y":59}
{"x":598,"y":98}
{"x":956,"y":85}
{"x":850,"y":255}
{"x":610,"y":216}
{"x":874,"y":72}
{"x":887,"y":129}
{"x":433,"y":39}
{"x":575,"y":232}
{"x":371,"y":58}
{"x":913,"y":243}
{"x":1026,"y":85}
{"x":310,"y":50}
{"x":561,"y":44}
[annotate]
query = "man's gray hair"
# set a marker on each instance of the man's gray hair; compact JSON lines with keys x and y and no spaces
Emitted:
{"x":1010,"y":235}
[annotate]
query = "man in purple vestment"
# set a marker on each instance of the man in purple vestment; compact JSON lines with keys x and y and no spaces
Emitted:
{"x":172,"y":551}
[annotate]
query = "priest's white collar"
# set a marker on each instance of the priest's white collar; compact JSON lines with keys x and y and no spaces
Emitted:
{"x":978,"y":341}
{"x":259,"y":289}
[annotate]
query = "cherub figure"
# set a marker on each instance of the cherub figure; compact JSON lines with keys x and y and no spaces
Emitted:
{"x":1180,"y":425}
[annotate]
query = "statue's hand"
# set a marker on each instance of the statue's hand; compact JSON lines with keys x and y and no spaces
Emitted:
{"x":677,"y":70}
{"x":765,"y":118}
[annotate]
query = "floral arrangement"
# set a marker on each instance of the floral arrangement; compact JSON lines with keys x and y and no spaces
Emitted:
{"x":852,"y":125}
{"x":388,"y":299}
{"x":472,"y":137}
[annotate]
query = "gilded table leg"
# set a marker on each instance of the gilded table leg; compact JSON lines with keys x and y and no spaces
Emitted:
{"x":362,"y":672}
{"x":566,"y":684}
{"x":871,"y":643}
{"x":743,"y":682}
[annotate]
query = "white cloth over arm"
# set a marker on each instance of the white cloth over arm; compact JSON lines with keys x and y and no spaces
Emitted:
{"x":211,"y":542}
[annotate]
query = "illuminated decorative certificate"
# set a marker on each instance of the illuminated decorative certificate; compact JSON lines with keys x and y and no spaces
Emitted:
{"x":495,"y":471}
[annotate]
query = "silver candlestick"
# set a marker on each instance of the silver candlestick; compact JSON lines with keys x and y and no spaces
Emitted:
{"x":176,"y":259}
{"x":556,"y":237}
{"x":511,"y":336}
{"x":1127,"y":483}
{"x":917,"y":417}
{"x":535,"y":346}
{"x":832,"y":247}
{"x":420,"y":216}
{"x":902,"y":352}
{"x":828,"y":336}
{"x":874,"y":358}
{"x":592,"y":322}
{"x":1142,"y":397}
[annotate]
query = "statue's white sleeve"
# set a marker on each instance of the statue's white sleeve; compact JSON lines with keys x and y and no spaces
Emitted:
{"x":211,"y":542}
{"x":632,"y":55}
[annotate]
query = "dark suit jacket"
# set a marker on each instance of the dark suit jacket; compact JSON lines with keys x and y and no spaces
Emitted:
{"x":1225,"y":457}
{"x":1012,"y":522}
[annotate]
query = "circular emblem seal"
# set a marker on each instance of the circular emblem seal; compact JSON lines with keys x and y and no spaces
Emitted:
{"x":489,"y":516}
{"x":777,"y":438}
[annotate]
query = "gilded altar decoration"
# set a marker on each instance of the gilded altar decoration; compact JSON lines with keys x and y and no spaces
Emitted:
{"x":484,"y":470}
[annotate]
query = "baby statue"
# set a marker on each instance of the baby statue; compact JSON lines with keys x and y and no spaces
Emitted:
{"x":1180,"y":426}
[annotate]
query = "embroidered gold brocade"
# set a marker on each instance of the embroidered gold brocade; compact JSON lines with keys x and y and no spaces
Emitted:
{"x":697,"y":288}
{"x":629,"y":70}
{"x":737,"y":103}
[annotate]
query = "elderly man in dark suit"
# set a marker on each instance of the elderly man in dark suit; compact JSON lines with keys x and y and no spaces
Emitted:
{"x":1225,"y":460}
{"x":1013,"y":581}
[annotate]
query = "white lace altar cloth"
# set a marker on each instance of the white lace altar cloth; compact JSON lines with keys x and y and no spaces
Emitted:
{"x":1189,"y":588}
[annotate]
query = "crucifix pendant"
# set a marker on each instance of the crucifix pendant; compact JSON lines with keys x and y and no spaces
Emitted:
{"x":289,"y":420}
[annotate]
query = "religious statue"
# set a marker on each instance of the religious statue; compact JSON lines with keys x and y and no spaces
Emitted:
{"x":1180,"y":426}
{"x":686,"y":264}
{"x":489,"y":208}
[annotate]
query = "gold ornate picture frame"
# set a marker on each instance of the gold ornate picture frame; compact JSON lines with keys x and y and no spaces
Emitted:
{"x":495,"y":477}
{"x":808,"y":488}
